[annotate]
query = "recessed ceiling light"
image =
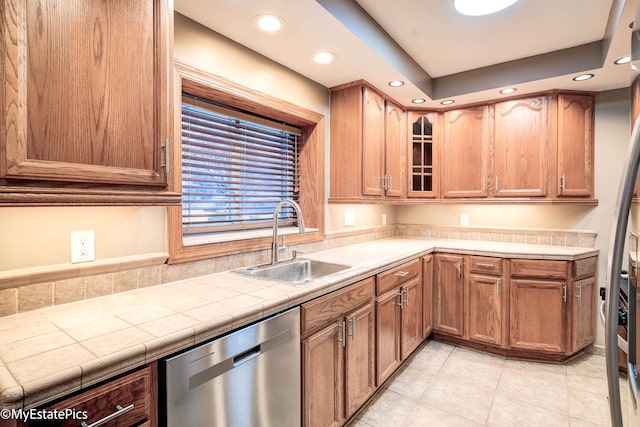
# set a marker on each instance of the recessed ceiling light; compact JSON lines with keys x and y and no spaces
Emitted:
{"x":269,"y":23}
{"x":324,"y":57}
{"x":418,"y":101}
{"x":481,"y":7}
{"x":396,"y":83}
{"x":623,"y":60}
{"x":508,"y":90}
{"x":583,"y":77}
{"x":447,"y":102}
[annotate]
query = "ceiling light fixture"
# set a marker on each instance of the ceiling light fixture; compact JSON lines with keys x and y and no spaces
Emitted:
{"x":508,"y":90}
{"x":324,"y":57}
{"x":269,"y":23}
{"x":418,"y":101}
{"x":623,"y":60}
{"x":447,"y":102}
{"x":396,"y":83}
{"x":583,"y":77}
{"x":481,"y":7}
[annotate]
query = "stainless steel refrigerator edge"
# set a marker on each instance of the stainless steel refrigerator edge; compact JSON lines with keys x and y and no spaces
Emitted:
{"x":250,"y":377}
{"x":614,"y":263}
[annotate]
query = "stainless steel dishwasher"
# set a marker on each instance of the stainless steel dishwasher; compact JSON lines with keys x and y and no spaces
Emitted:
{"x":250,"y":377}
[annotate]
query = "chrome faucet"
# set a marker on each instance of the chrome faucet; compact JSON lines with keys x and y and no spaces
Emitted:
{"x":275,"y":247}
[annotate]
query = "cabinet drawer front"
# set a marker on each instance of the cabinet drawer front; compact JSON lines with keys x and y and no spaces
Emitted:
{"x":539,"y":268}
{"x":327,"y":308}
{"x":396,"y":276}
{"x":584,"y":268}
{"x":129,"y":396}
{"x":486,"y":265}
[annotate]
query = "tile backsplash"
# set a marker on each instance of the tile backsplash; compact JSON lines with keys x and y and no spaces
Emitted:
{"x":29,"y":291}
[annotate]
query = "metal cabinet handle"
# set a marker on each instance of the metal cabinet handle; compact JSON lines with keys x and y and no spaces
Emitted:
{"x":496,"y":184}
{"x":119,"y":411}
{"x":402,"y":273}
{"x":459,"y":270}
{"x":401,"y":303}
{"x":341,"y":337}
{"x":563,"y":180}
{"x":353,"y":328}
{"x":579,"y":294}
{"x":486,"y":265}
{"x":564,"y":293}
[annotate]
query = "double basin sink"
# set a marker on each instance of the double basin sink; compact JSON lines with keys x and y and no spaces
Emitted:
{"x":294,"y":272}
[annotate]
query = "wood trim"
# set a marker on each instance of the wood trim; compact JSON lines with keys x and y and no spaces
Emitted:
{"x":311,"y":155}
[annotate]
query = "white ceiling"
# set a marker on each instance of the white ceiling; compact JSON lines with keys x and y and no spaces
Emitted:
{"x":533,"y":45}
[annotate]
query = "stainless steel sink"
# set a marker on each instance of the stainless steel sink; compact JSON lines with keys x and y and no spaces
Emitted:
{"x":298,"y":272}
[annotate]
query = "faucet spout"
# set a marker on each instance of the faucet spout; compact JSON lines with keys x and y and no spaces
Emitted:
{"x":276,"y":212}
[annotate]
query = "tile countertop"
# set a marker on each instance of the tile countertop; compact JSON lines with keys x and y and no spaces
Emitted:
{"x":50,"y":352}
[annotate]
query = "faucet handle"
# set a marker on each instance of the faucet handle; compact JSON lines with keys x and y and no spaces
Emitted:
{"x":295,"y":253}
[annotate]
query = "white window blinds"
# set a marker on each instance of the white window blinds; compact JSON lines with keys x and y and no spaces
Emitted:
{"x":236,"y":168}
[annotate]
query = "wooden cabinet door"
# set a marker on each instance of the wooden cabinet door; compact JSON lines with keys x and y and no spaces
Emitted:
{"x":86,"y":91}
{"x":411,"y":333}
{"x":394,"y":150}
{"x":427,"y":295}
{"x":584,"y":309}
{"x":359,"y":358}
{"x":322,"y":377}
{"x":575,"y":146}
{"x":465,"y":153}
{"x":484,"y":309}
{"x":521,"y":147}
{"x":387,"y":335}
{"x":538,"y":315}
{"x":449,"y":295}
{"x":423,"y":154}
{"x":373,"y":116}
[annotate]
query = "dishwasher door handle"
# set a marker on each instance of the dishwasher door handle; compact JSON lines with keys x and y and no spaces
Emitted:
{"x":246,"y":356}
{"x":213,"y":371}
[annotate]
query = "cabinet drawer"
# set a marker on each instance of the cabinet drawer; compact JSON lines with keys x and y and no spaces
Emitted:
{"x":396,"y":276}
{"x":486,"y":265}
{"x":539,"y":268}
{"x":327,"y":308}
{"x":132,"y":393}
{"x":584,"y":268}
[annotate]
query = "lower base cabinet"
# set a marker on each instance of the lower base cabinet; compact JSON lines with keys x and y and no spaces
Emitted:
{"x":338,"y":347}
{"x":122,"y":402}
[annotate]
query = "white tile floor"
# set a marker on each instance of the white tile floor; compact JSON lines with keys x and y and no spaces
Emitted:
{"x":443,"y":385}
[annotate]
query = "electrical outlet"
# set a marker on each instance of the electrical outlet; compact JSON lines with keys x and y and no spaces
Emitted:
{"x":464,"y":219}
{"x":82,"y":246}
{"x":349,"y":218}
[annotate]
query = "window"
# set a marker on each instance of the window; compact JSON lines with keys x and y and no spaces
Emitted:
{"x":236,"y":168}
{"x":237,"y":154}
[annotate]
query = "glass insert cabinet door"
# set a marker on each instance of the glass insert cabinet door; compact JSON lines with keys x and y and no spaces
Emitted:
{"x":422,"y":155}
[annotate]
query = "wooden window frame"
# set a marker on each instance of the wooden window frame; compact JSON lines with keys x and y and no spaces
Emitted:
{"x":311,"y":160}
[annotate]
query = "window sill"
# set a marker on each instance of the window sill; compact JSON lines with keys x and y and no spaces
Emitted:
{"x":206,"y":239}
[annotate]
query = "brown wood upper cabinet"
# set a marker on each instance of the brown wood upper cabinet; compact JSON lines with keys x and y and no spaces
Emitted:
{"x":85,"y":96}
{"x":423,"y":148}
{"x":521,"y":143}
{"x":575,"y":146}
{"x":367,"y":145}
{"x":465,"y":154}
